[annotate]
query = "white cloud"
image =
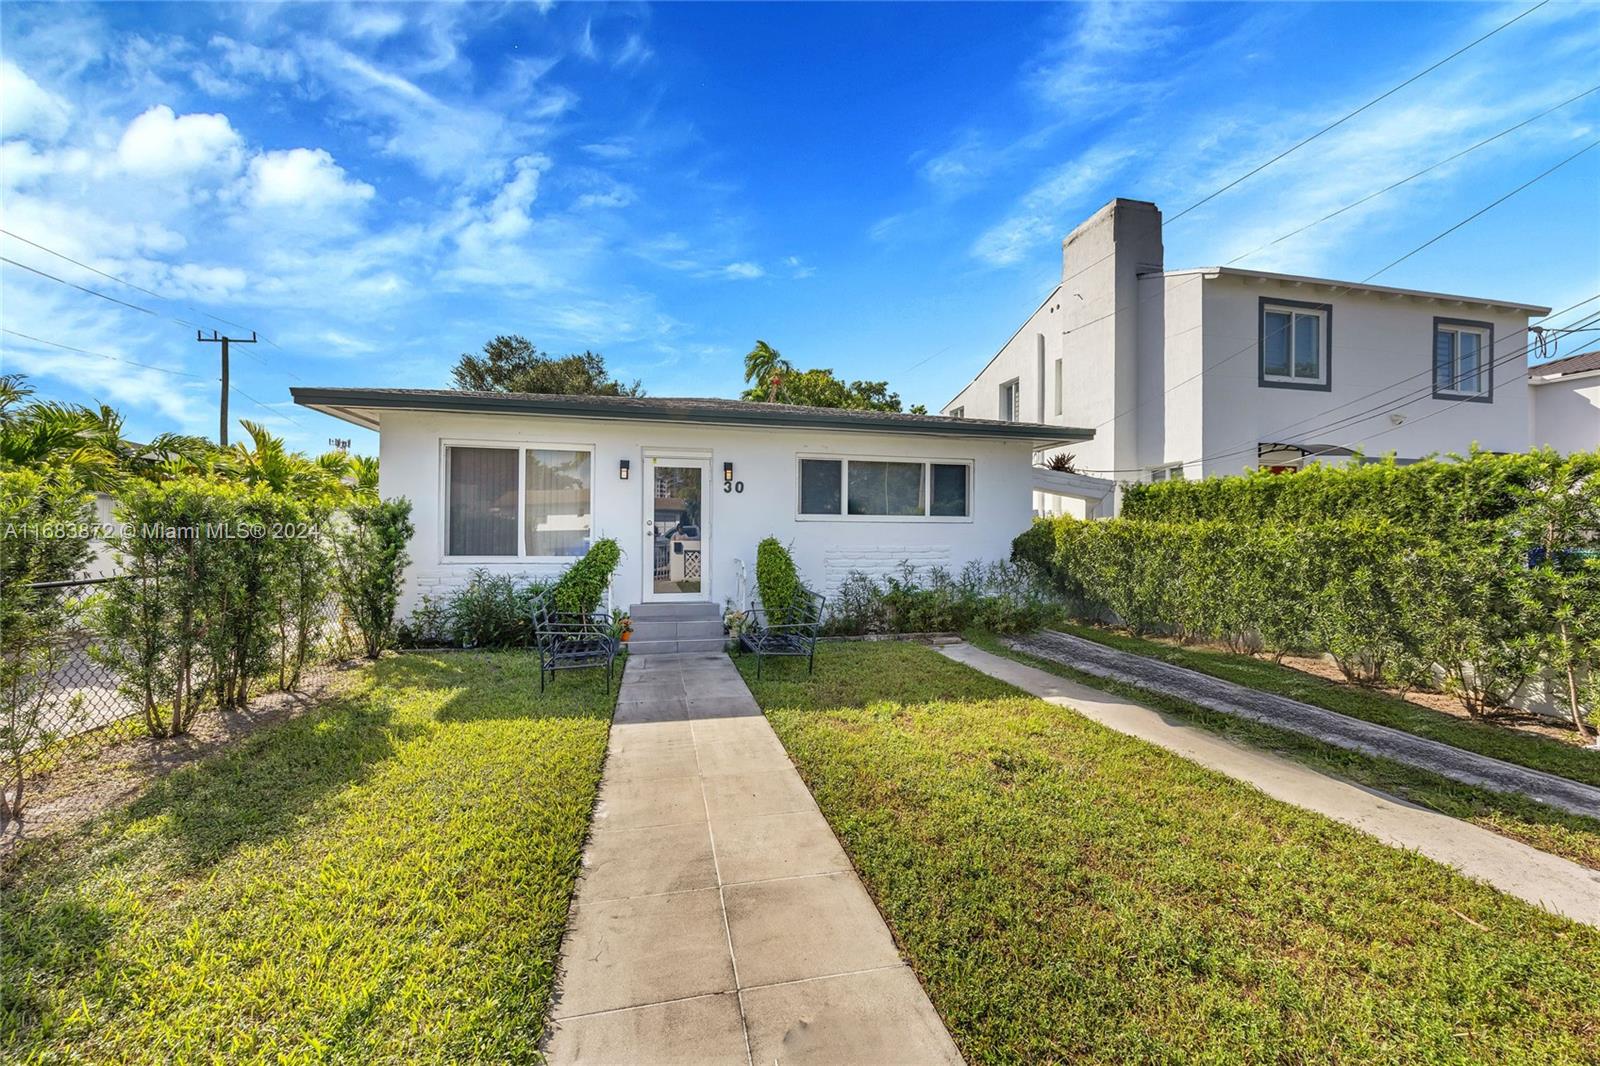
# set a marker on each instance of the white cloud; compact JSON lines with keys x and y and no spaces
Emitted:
{"x":305,"y":179}
{"x":29,"y":109}
{"x":160,"y":143}
{"x":743,"y":271}
{"x":609,"y":150}
{"x":209,"y":282}
{"x":798,"y":268}
{"x":633,"y":50}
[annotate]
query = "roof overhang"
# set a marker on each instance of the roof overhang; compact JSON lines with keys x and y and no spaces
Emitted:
{"x":365,"y":408}
{"x":1298,"y":280}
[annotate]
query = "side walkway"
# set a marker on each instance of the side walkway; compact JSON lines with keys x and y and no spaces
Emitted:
{"x":1514,"y":868}
{"x":1353,"y":734}
{"x":717,"y":919}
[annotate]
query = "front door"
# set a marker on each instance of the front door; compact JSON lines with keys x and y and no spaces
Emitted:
{"x":676,"y":539}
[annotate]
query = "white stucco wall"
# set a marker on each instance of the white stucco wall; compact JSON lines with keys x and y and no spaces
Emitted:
{"x":1381,"y":345}
{"x":825,"y":550}
{"x":1566,"y":413}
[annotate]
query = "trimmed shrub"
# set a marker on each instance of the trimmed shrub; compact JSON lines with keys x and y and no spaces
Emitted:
{"x":777,"y":581}
{"x":583,"y":586}
{"x":1004,"y":597}
{"x":492,"y":611}
{"x":370,"y":558}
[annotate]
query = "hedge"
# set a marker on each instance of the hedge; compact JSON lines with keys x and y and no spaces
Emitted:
{"x":1486,"y":574}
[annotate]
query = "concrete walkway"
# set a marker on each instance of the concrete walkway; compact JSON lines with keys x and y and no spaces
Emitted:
{"x":1516,"y":869}
{"x":717,"y":919}
{"x":1352,"y":734}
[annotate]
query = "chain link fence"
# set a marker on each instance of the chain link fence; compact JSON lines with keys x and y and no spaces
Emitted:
{"x":70,"y":706}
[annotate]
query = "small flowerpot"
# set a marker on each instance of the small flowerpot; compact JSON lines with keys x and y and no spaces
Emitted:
{"x":627,"y":634}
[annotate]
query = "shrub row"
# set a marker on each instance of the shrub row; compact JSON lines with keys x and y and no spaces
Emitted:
{"x":1005,"y":597}
{"x":1430,"y":496}
{"x":1481,"y":604}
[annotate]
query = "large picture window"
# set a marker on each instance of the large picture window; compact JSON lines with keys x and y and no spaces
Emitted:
{"x":1463,"y":360}
{"x":521,"y":502}
{"x":885,"y":488}
{"x":1296,"y":344}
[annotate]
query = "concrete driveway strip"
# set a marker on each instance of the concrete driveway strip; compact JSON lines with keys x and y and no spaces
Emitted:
{"x":1514,"y":868}
{"x":1369,"y":738}
{"x":717,"y":919}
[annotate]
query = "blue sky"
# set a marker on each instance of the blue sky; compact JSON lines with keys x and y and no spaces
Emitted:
{"x":881,"y":189}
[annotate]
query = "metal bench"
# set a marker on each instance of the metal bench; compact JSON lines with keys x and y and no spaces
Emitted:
{"x":565,"y":640}
{"x":794,"y":636}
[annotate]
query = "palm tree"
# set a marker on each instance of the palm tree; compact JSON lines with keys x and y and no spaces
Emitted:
{"x":765,"y":363}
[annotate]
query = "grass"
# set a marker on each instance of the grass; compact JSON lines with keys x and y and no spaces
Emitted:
{"x":1067,"y":893}
{"x":1557,"y":832}
{"x":384,"y":879}
{"x":1525,"y":749}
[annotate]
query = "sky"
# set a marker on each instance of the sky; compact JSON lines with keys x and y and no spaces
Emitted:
{"x":879,"y":189}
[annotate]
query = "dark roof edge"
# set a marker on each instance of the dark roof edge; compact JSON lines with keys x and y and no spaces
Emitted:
{"x":344,"y":403}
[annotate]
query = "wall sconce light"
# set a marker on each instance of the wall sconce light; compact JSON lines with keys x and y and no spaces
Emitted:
{"x":727,"y":473}
{"x":622,"y":471}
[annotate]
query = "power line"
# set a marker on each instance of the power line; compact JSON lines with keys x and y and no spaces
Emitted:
{"x":100,"y":355}
{"x":1497,"y":203}
{"x":119,"y":280}
{"x":1346,"y":118}
{"x":95,"y":292}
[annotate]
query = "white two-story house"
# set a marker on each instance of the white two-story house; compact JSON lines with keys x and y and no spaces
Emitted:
{"x":1193,"y":373}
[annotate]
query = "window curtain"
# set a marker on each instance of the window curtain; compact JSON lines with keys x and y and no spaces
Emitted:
{"x":949,"y":490}
{"x":820,"y":486}
{"x":1444,"y":359}
{"x":885,"y":488}
{"x":557,"y":496}
{"x":483,"y":501}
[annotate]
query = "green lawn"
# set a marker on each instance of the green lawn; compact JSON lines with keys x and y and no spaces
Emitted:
{"x":1559,"y":833}
{"x":385,"y":879}
{"x":1525,"y":749}
{"x":1069,"y":893}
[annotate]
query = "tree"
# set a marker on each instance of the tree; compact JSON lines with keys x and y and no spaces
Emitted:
{"x":513,"y":364}
{"x":811,"y":388}
{"x":765,"y":365}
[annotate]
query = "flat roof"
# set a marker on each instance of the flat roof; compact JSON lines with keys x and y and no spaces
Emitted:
{"x":364,"y":407}
{"x":1245,"y":273}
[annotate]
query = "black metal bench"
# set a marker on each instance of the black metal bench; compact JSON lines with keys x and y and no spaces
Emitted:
{"x":793,"y":636}
{"x":565,"y":640}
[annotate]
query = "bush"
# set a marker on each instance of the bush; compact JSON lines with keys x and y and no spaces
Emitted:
{"x":777,"y":581}
{"x":1485,"y":574}
{"x":1005,"y":597}
{"x":583,"y":586}
{"x":491,"y":611}
{"x":370,"y":559}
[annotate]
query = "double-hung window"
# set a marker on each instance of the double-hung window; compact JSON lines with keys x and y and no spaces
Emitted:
{"x":517,"y":502}
{"x":1463,"y":360}
{"x":885,"y":488}
{"x":1011,"y":401}
{"x":1173,"y":472}
{"x":1296,"y":344}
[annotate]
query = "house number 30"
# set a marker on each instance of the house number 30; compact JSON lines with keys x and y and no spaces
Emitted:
{"x":732,"y":486}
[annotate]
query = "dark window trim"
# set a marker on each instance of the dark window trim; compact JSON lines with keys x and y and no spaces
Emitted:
{"x":1262,"y":381}
{"x":1433,"y":361}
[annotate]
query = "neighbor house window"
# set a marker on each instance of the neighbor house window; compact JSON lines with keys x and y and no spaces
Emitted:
{"x":1058,"y":386}
{"x":885,"y":488}
{"x":1463,"y":360}
{"x":1174,"y":472}
{"x":1011,"y":401}
{"x":1296,"y":343}
{"x":517,"y":502}
{"x":958,"y":412}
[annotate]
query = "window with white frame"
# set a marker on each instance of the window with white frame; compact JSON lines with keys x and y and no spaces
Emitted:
{"x":1172,"y":472}
{"x":1463,"y":356}
{"x":1011,"y":401}
{"x":958,"y":412}
{"x":1296,"y":339}
{"x":517,"y":502}
{"x":885,"y":488}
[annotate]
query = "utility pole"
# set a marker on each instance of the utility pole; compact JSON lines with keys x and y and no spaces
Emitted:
{"x":216,"y":338}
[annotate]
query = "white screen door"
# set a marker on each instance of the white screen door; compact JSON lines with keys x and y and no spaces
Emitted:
{"x":676,"y":540}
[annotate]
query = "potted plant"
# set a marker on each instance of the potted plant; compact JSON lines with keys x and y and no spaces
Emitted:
{"x":621,"y":624}
{"x":732,"y":621}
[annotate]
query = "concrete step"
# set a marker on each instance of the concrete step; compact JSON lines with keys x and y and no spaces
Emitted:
{"x":643,"y":648}
{"x":674,"y":612}
{"x":652,"y":629}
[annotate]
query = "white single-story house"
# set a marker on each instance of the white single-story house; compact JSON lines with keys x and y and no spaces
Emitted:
{"x":1566,"y":402}
{"x":521,"y":483}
